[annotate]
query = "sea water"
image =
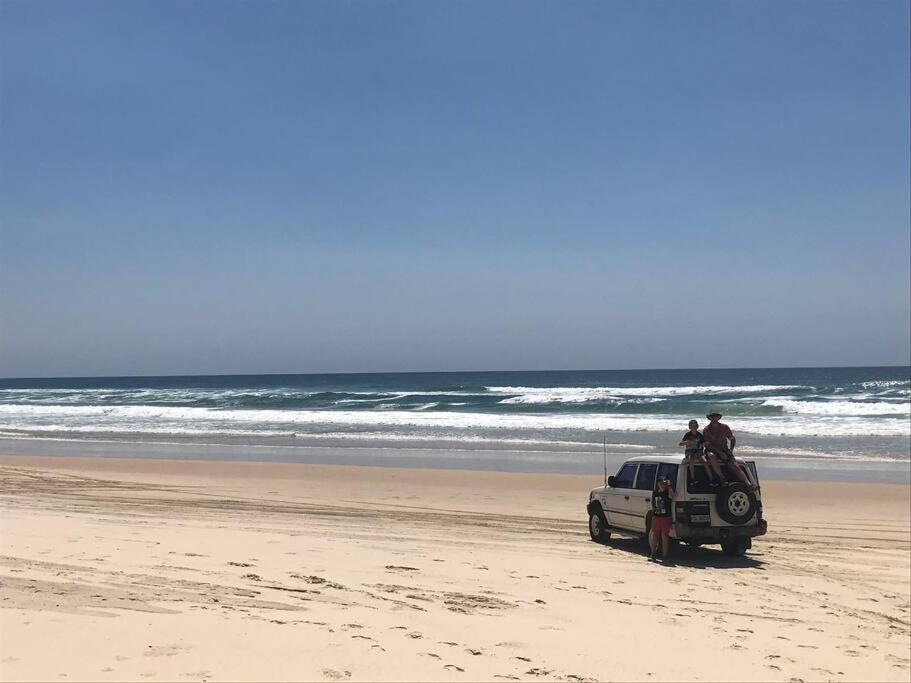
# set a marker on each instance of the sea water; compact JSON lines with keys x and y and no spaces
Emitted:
{"x":804,"y":422}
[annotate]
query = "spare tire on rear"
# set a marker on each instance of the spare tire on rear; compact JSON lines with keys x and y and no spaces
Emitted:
{"x":735,"y":503}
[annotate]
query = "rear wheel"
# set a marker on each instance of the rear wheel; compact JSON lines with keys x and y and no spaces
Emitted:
{"x":597,"y":526}
{"x":735,"y":547}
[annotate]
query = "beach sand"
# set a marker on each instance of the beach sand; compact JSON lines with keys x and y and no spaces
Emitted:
{"x":116,"y":569}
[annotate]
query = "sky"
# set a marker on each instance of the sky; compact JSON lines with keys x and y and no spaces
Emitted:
{"x":277,"y":187}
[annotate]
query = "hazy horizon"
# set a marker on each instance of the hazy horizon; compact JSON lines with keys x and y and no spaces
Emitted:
{"x":459,"y":372}
{"x":297,"y":188}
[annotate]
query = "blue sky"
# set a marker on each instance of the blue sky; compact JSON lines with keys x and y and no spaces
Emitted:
{"x":235,"y":187}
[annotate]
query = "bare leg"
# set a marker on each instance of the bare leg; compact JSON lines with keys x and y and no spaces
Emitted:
{"x":716,"y":468}
{"x":665,"y":544}
{"x":652,"y":541}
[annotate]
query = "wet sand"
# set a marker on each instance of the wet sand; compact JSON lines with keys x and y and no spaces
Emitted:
{"x":116,"y":569}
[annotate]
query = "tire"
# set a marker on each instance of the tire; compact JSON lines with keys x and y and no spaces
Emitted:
{"x":735,"y":503}
{"x":597,"y":526}
{"x":735,"y":547}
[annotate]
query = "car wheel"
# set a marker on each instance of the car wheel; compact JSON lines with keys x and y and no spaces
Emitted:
{"x":734,"y":547}
{"x":735,"y":503}
{"x":597,"y":527}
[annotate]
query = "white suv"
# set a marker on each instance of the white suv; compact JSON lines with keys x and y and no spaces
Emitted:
{"x":703,"y":512}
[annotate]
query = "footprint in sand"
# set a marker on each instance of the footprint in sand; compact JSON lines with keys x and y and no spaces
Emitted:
{"x":334,"y":675}
{"x":164,"y":650}
{"x":453,"y":667}
{"x":473,"y":652}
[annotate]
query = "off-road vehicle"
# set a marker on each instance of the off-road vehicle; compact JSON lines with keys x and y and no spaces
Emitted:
{"x":704,"y":512}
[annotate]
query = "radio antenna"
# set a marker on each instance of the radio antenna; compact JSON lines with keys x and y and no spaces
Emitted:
{"x":605,"y":459}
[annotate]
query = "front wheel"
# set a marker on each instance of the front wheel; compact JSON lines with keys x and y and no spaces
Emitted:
{"x":597,"y":527}
{"x":735,"y":547}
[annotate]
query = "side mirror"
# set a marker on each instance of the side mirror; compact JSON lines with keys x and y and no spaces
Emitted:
{"x":612,"y":481}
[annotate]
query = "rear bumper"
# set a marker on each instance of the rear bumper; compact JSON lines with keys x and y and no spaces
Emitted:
{"x":697,"y":533}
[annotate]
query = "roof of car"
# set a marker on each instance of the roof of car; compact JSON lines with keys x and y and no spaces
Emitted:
{"x":670,"y":459}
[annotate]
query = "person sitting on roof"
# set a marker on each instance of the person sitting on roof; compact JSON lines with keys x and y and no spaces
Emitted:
{"x":717,"y":437}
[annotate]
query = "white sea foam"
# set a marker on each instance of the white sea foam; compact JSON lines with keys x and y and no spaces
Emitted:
{"x":543,"y":395}
{"x":846,"y":408}
{"x":885,"y":383}
{"x":176,"y":419}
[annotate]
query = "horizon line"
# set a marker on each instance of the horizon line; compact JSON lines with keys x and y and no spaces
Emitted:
{"x":453,"y":372}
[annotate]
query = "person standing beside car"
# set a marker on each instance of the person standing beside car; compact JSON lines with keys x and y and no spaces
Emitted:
{"x":661,"y":518}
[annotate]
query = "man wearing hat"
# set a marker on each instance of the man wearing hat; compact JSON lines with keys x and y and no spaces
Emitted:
{"x":716,"y":437}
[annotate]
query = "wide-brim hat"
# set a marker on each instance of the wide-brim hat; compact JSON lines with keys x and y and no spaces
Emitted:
{"x":713,"y":413}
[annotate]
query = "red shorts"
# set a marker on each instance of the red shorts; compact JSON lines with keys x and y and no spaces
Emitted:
{"x":661,"y":524}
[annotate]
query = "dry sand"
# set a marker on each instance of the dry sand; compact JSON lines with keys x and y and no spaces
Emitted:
{"x":177,"y":570}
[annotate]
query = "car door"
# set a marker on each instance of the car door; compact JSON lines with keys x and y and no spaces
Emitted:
{"x":618,"y":496}
{"x":641,"y":500}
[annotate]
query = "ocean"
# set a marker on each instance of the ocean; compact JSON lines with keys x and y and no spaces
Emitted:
{"x":795,"y":422}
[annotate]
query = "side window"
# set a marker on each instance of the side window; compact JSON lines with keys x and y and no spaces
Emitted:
{"x":625,"y":477}
{"x":666,"y":471}
{"x":645,"y":480}
{"x":752,"y":467}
